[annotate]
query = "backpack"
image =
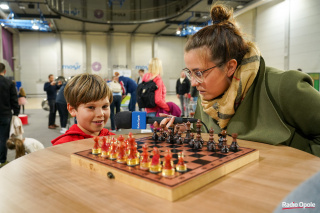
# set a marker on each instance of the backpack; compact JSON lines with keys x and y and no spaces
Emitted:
{"x":145,"y":94}
{"x":115,"y":86}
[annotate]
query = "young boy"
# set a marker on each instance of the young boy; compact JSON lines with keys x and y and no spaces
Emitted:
{"x":88,"y":98}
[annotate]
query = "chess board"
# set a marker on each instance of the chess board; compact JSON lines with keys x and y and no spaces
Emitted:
{"x":203,"y":167}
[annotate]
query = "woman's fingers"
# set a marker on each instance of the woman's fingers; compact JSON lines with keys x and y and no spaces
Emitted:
{"x":167,"y":122}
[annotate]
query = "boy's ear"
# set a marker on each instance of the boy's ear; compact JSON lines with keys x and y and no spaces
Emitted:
{"x":71,"y":110}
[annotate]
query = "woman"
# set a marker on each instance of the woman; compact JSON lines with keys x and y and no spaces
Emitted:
{"x":154,"y":73}
{"x":240,"y":94}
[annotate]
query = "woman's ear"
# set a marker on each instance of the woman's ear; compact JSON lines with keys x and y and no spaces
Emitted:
{"x":231,"y":67}
{"x":71,"y":110}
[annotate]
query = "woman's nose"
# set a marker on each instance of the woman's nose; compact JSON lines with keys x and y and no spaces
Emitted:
{"x":194,"y":82}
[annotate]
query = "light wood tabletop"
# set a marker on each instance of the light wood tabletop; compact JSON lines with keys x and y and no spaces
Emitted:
{"x":46,"y":181}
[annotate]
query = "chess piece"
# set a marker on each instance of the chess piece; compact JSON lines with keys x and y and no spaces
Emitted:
{"x":170,"y":138}
{"x":197,"y":143}
{"x":222,"y":135}
{"x":104,"y":148}
{"x":234,"y":147}
{"x":187,"y":137}
{"x":121,"y":155}
{"x":132,"y":159}
{"x":179,"y":138}
{"x":191,"y":141}
{"x":198,"y":131}
{"x":211,"y":144}
{"x":145,"y":159}
{"x":181,"y":165}
{"x":96,"y":147}
{"x":113,"y":153}
{"x":161,"y":135}
{"x":155,"y":135}
{"x":163,"y":127}
{"x":224,"y":148}
{"x":155,"y":166}
{"x":168,"y":169}
{"x":177,"y":129}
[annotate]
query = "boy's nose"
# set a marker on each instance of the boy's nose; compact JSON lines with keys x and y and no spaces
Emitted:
{"x":100,"y":112}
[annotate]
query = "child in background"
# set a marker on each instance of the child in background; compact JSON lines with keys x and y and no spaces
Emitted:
{"x":24,"y":146}
{"x":88,"y":99}
{"x":22,"y":99}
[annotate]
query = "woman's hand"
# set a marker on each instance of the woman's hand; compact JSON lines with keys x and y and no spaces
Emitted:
{"x":168,"y":121}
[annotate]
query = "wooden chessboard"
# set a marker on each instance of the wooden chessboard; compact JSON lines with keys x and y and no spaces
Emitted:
{"x":203,"y":168}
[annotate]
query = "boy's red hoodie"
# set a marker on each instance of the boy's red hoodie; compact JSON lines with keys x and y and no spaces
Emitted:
{"x":75,"y":133}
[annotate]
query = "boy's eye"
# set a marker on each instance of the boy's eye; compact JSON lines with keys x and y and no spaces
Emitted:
{"x":105,"y":106}
{"x":90,"y":107}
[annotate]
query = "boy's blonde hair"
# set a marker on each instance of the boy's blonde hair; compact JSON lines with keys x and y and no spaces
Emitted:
{"x":84,"y":88}
{"x":17,"y":144}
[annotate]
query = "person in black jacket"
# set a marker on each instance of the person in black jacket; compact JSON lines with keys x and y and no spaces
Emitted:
{"x":182,"y":91}
{"x":8,"y":102}
{"x":51,"y":88}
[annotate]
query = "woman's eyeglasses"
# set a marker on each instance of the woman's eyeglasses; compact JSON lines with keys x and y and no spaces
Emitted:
{"x":198,"y":75}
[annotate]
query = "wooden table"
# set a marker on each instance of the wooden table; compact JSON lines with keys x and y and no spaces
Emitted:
{"x":46,"y":181}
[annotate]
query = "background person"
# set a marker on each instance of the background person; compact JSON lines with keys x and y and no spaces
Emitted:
{"x":51,"y":88}
{"x":117,"y":91}
{"x":182,"y":91}
{"x":24,"y":146}
{"x":130,"y":86}
{"x":61,"y":105}
{"x":8,"y":103}
{"x":139,"y":80}
{"x":154,"y":73}
{"x":22,"y":99}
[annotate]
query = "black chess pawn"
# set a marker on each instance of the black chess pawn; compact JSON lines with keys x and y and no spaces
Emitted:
{"x":211,"y":144}
{"x":224,"y":148}
{"x":234,"y":147}
{"x":161,"y":137}
{"x":176,"y":135}
{"x":164,"y":134}
{"x":187,"y":138}
{"x":179,"y":138}
{"x":191,"y":141}
{"x":170,"y":138}
{"x":155,"y":135}
{"x":222,"y":136}
{"x":197,"y":143}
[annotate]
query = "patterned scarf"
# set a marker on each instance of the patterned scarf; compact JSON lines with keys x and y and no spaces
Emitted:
{"x":223,"y":108}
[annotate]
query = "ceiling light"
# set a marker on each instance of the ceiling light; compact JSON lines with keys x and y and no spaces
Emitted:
{"x":4,"y":6}
{"x":22,"y":7}
{"x":35,"y":26}
{"x":239,"y":6}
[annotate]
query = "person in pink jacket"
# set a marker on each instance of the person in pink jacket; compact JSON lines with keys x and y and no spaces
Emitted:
{"x":154,"y":73}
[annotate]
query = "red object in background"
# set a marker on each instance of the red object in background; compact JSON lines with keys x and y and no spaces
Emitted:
{"x":24,"y":119}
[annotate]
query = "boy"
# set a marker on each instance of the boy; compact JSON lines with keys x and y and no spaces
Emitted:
{"x":88,"y":98}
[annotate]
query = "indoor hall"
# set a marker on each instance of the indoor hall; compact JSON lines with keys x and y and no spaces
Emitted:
{"x":275,"y":121}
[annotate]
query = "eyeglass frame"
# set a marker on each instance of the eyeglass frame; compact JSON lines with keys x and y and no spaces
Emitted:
{"x":201,"y":78}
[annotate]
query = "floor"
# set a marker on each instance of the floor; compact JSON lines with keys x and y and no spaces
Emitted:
{"x":37,"y":126}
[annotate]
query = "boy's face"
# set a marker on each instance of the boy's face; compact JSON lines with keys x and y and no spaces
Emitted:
{"x":92,"y":116}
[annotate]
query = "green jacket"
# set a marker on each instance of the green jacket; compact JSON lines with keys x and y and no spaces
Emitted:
{"x":279,"y":108}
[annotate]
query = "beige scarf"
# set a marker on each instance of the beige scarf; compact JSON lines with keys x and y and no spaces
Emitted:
{"x":223,"y":108}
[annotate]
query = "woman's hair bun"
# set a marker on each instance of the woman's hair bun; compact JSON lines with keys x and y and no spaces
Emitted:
{"x":220,"y":13}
